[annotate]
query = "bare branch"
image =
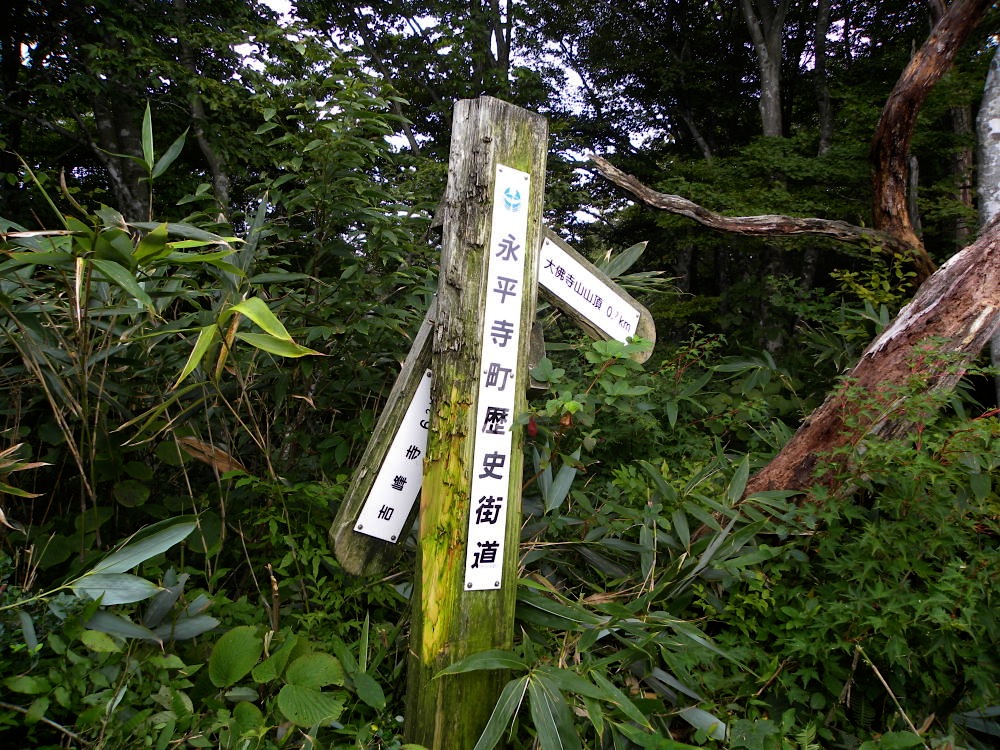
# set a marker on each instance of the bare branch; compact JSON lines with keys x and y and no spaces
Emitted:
{"x":768,"y":225}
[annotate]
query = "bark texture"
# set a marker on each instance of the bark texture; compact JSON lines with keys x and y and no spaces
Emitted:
{"x":928,"y":345}
{"x":891,"y":143}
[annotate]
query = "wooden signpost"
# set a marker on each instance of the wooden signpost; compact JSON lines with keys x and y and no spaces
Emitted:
{"x":374,"y":516}
{"x":446,"y":434}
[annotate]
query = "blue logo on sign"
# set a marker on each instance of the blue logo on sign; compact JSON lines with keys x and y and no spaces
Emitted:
{"x":512,"y":199}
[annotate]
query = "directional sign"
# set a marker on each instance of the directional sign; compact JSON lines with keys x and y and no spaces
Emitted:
{"x":383,"y":508}
{"x":397,"y":483}
{"x":584,"y":292}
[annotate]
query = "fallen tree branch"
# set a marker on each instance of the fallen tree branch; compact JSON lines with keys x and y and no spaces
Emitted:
{"x":927,"y":347}
{"x":768,"y":225}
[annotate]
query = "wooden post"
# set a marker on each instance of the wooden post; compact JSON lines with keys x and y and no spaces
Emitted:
{"x":463,"y":599}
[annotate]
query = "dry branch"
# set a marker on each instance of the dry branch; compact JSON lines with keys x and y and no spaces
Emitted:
{"x":769,"y":225}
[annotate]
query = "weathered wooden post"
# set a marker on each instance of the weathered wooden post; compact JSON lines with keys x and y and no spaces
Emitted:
{"x":470,"y":506}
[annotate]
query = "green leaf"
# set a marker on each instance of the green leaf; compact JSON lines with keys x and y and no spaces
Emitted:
{"x":624,"y":260}
{"x":503,"y":713}
{"x":712,"y":726}
{"x":153,"y":245}
{"x":561,"y":484}
{"x":246,"y":718}
{"x":275,"y":664}
{"x":281,"y":347}
{"x":306,"y":707}
{"x":133,"y":554}
{"x":206,"y":337}
{"x":27,"y":684}
{"x":107,"y":622}
{"x":315,"y":670}
{"x":616,"y":697}
{"x":369,"y":690}
{"x":234,"y":655}
{"x":186,"y":627}
{"x":122,"y":277}
{"x":100,"y":642}
{"x":114,"y":588}
{"x":147,"y":138}
{"x":257,"y":310}
{"x":739,"y":481}
{"x":552,"y":716}
{"x":171,"y":154}
{"x":569,"y":681}
{"x":490,"y":659}
{"x":130,"y":493}
{"x":893,"y":741}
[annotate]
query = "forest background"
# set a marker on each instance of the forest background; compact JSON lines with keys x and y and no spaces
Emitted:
{"x":218,"y":241}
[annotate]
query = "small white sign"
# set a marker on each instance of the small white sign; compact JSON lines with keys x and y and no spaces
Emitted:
{"x":569,"y":280}
{"x":500,"y":338}
{"x":397,"y":484}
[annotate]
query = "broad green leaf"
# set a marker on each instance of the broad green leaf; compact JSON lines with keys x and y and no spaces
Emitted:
{"x":134,"y":553}
{"x":123,"y":278}
{"x":568,"y":681}
{"x":27,"y":684}
{"x":186,"y":231}
{"x":152,"y":246}
{"x":306,"y":707}
{"x":315,"y":670}
{"x":616,"y":697}
{"x":234,"y":655}
{"x":275,"y":664}
{"x":186,"y":627}
{"x":108,"y":622}
{"x":561,"y":484}
{"x":99,"y":642}
{"x":490,"y":659}
{"x":171,"y":154}
{"x":369,"y":690}
{"x":212,"y":258}
{"x":257,"y":310}
{"x":699,"y":719}
{"x":552,"y":716}
{"x":624,"y":260}
{"x":147,"y":138}
{"x":206,"y":337}
{"x":503,"y":713}
{"x":114,"y":588}
{"x":281,"y":347}
{"x":131,"y":493}
{"x":739,"y":481}
{"x":246,"y":718}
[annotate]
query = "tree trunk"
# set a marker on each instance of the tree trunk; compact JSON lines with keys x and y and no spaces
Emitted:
{"x":765,"y":26}
{"x":215,"y":160}
{"x":891,"y":144}
{"x":988,"y":127}
{"x":822,"y":85}
{"x":927,"y":347}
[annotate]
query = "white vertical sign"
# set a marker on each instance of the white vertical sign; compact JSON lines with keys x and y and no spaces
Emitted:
{"x":498,"y":379}
{"x":397,"y":484}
